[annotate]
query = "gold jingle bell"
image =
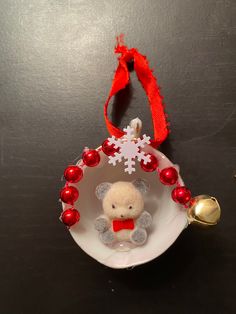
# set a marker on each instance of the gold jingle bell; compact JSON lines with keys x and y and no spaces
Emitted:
{"x":204,"y":210}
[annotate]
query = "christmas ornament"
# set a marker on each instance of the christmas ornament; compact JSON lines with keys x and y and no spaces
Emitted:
{"x":70,"y":217}
{"x":141,"y":204}
{"x":91,"y":158}
{"x":151,"y":165}
{"x":181,"y":195}
{"x":129,"y":150}
{"x":108,"y":148}
{"x":73,"y":174}
{"x":69,"y":194}
{"x":204,"y":209}
{"x":124,"y":219}
{"x":169,"y":176}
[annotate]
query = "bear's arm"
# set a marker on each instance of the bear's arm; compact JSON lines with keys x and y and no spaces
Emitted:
{"x":102,"y":224}
{"x":145,"y":220}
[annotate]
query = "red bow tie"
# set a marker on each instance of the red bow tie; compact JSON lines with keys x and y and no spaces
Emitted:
{"x":123,"y":224}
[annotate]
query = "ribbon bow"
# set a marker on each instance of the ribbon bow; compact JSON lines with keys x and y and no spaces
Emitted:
{"x":123,"y":224}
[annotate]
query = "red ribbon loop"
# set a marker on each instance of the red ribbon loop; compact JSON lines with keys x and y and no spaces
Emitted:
{"x":149,"y":83}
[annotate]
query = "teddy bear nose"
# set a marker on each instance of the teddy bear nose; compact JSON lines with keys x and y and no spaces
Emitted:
{"x":121,"y":216}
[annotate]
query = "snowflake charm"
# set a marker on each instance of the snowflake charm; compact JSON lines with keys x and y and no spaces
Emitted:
{"x":129,"y":149}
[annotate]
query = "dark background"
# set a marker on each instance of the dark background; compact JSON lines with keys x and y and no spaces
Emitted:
{"x":56,"y":68}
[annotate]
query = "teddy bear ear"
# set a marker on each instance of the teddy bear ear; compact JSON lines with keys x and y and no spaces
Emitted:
{"x":102,"y":189}
{"x":141,"y":185}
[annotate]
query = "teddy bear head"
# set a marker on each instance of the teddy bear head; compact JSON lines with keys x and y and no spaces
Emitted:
{"x":122,"y":200}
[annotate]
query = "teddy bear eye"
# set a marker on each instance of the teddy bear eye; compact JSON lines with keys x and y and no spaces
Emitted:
{"x":130,"y":207}
{"x":113,"y":206}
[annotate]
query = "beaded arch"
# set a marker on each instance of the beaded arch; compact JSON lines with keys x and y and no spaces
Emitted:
{"x":69,"y":194}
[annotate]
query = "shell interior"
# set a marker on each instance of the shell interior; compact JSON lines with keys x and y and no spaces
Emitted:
{"x":169,"y":218}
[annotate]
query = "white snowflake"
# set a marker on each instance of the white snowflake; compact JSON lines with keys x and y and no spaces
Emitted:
{"x":129,"y":149}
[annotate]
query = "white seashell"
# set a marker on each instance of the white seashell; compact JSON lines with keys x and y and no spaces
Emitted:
{"x":169,"y":218}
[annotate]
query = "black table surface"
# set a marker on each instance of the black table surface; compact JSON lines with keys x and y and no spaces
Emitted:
{"x":56,"y":68}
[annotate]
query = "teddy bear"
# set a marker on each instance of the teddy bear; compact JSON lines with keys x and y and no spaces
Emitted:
{"x":124,"y":217}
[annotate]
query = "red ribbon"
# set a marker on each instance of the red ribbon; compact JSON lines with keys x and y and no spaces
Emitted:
{"x":149,"y":83}
{"x":123,"y":224}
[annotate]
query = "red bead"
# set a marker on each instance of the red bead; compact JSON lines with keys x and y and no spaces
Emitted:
{"x":70,"y":217}
{"x":181,"y":195}
{"x":151,"y":165}
{"x":91,"y":158}
{"x":169,"y":176}
{"x":69,"y":194}
{"x":109,"y":149}
{"x":73,"y":174}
